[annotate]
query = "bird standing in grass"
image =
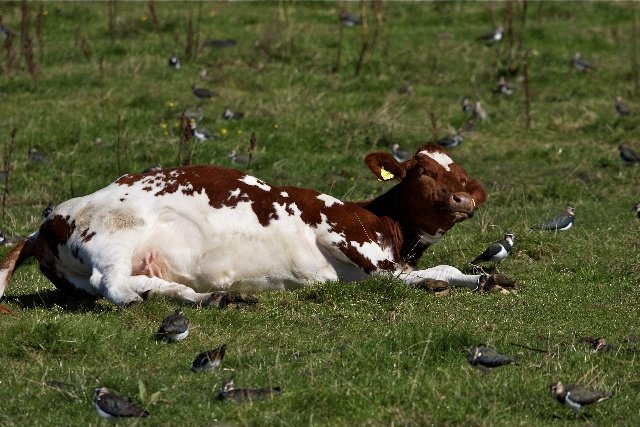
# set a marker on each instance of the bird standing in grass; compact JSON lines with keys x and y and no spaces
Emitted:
{"x":493,"y":37}
{"x":485,"y":358}
{"x":174,"y":327}
{"x":622,"y":108}
{"x":576,"y":396}
{"x":229,"y":392}
{"x":209,"y":360}
{"x":496,"y":252}
{"x":229,"y":114}
{"x":113,"y":407}
{"x":199,"y":133}
{"x":636,"y":208}
{"x":174,"y":62}
{"x":37,"y":156}
{"x":451,"y":141}
{"x":628,"y":155}
{"x":504,"y":88}
{"x":580,"y":64}
{"x":399,"y":153}
{"x":561,"y":222}
{"x":202,"y":93}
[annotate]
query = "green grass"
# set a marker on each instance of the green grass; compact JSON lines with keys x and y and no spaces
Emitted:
{"x":372,"y":353}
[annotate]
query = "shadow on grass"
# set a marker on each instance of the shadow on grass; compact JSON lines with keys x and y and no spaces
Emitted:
{"x":52,"y":298}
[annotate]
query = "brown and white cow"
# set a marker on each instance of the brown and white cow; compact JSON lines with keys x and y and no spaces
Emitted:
{"x":190,"y":231}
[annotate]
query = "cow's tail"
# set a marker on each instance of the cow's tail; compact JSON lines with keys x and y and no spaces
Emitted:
{"x":24,"y":249}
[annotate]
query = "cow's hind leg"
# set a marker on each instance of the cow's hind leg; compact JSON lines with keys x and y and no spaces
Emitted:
{"x":143,"y":285}
{"x":449,"y":274}
{"x":114,"y":286}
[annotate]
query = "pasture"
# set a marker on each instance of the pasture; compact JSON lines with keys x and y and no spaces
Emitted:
{"x":91,"y":89}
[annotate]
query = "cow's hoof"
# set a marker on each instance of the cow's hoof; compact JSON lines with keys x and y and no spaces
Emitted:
{"x":498,"y":283}
{"x":440,"y":288}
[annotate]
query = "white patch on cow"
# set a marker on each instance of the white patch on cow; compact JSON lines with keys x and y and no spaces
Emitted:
{"x":441,"y":158}
{"x":252,"y":180}
{"x":426,"y":238}
{"x":327,"y":234}
{"x":234,"y":194}
{"x":329,"y":200}
{"x":284,"y":194}
{"x":373,"y":252}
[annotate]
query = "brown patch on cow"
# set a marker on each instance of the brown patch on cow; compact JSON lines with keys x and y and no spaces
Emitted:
{"x":56,"y":231}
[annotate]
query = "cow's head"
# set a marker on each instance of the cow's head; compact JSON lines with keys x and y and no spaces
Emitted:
{"x":434,"y":193}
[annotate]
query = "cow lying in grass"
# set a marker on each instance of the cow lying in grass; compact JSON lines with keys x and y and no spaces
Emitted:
{"x":188,"y":232}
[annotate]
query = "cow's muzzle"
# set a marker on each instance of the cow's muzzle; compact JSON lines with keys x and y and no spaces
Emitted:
{"x":461,"y":205}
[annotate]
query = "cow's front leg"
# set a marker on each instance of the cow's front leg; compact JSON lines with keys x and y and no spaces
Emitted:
{"x":449,"y":274}
{"x":144,"y":285}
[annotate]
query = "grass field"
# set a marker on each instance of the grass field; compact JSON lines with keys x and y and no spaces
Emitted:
{"x":101,"y":101}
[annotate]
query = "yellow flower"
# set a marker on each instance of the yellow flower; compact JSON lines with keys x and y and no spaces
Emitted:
{"x":164,"y":126}
{"x":45,"y":12}
{"x":171,"y":104}
{"x":276,"y":125}
{"x":239,"y":132}
{"x":224,"y":131}
{"x":144,"y":18}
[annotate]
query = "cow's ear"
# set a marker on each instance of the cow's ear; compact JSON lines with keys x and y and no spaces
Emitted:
{"x":384,"y":166}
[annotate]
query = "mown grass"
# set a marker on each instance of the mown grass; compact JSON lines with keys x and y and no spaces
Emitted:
{"x":372,"y":353}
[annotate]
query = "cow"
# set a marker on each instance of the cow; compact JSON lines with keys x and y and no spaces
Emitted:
{"x":193,"y":232}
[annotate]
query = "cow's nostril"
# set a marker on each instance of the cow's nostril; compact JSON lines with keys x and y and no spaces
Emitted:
{"x":457,"y":198}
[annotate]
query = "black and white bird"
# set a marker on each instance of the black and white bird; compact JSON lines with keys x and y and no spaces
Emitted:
{"x":636,"y":208}
{"x":580,"y":64}
{"x":485,"y":358}
{"x":46,"y":211}
{"x":37,"y":156}
{"x":114,"y":407}
{"x":561,"y":222}
{"x":236,"y":158}
{"x":628,"y":155}
{"x":201,"y":134}
{"x":229,"y":392}
{"x":5,"y":239}
{"x":349,"y":20}
{"x":492,"y":37}
{"x":479,"y":112}
{"x":576,"y":396}
{"x":399,"y":153}
{"x":202,"y":93}
{"x":174,"y":62}
{"x":503,"y":87}
{"x":174,"y":327}
{"x":229,"y":114}
{"x":156,"y":167}
{"x":451,"y":141}
{"x":467,"y":105}
{"x":622,"y":108}
{"x":209,"y":360}
{"x":496,"y":252}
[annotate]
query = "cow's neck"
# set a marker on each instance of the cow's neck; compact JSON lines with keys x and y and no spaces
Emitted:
{"x":412,"y":241}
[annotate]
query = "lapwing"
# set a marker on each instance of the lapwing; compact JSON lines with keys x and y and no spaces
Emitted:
{"x":113,"y":407}
{"x":37,"y":156}
{"x":504,"y":88}
{"x":636,"y":208}
{"x":576,"y":396}
{"x":497,"y":251}
{"x":229,"y":392}
{"x":209,"y":360}
{"x":451,"y":141}
{"x":580,"y":64}
{"x":5,"y":239}
{"x":467,"y":105}
{"x":479,"y":112}
{"x":174,"y":327}
{"x":349,"y":20}
{"x":47,"y":211}
{"x":399,"y":153}
{"x":492,"y":37}
{"x":485,"y":358}
{"x":622,"y":108}
{"x":156,"y":167}
{"x":202,"y":93}
{"x":238,"y":159}
{"x":199,"y":133}
{"x":561,"y":222}
{"x":229,"y":114}
{"x":174,"y":62}
{"x":628,"y":155}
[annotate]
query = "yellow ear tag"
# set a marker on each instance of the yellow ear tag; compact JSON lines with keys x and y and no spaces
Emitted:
{"x":385,"y":174}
